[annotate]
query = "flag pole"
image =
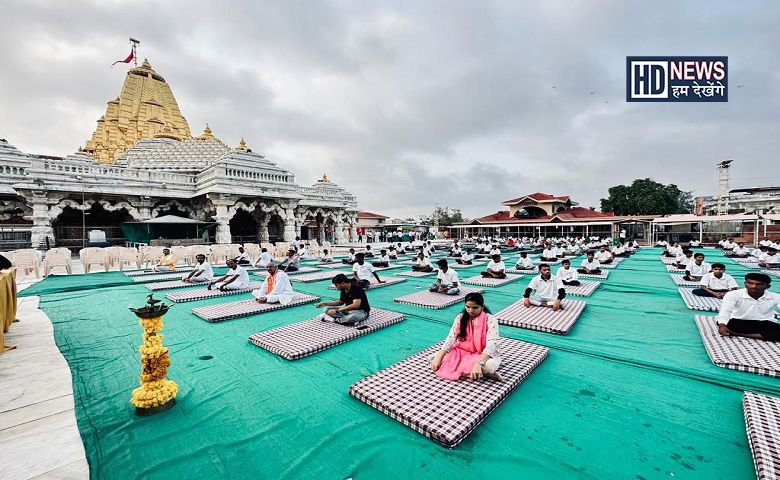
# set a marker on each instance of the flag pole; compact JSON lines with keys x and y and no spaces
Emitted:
{"x":134,"y":43}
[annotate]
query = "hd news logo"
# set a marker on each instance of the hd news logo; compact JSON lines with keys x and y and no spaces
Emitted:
{"x":677,"y":79}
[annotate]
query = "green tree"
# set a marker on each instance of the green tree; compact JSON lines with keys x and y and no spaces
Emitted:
{"x":444,"y":216}
{"x":645,"y":196}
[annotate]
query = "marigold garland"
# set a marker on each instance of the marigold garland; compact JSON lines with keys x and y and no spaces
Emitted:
{"x":155,"y":390}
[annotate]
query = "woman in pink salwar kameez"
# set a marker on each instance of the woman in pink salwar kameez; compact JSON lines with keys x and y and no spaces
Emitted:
{"x":471,"y":348}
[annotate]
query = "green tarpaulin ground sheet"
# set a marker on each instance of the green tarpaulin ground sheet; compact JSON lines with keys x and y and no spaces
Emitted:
{"x":630,"y":393}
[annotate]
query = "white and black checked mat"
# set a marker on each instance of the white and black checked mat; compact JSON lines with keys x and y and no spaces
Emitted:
{"x":412,"y":273}
{"x":668,"y":260}
{"x":681,"y":282}
{"x":603,"y":275}
{"x":373,"y":283}
{"x":584,"y":289}
{"x":305,"y":338}
{"x":543,"y":319}
{"x":433,"y":300}
{"x":445,"y":411}
{"x":746,"y":262}
{"x":300,"y":271}
{"x":459,"y":265}
{"x":204,"y":293}
{"x":739,"y":353}
{"x":314,"y":277}
{"x":157,"y":278}
{"x":243,"y":308}
{"x":522,"y":271}
{"x":491,"y":282}
{"x":137,"y":273}
{"x":172,"y":285}
{"x":613,"y":264}
{"x":762,"y":423}
{"x":673,"y":269}
{"x":695,"y":302}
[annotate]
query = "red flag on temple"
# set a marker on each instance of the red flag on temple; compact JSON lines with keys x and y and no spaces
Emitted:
{"x":126,"y":60}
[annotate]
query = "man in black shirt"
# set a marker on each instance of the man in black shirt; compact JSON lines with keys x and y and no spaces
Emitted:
{"x":352,"y":306}
{"x":4,"y":263}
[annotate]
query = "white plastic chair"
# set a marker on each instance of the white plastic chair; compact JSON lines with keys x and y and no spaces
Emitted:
{"x":96,"y":257}
{"x":57,"y":257}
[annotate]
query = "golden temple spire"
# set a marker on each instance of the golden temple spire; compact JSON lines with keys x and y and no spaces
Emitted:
{"x":324,"y":179}
{"x":206,"y":135}
{"x":145,"y":108}
{"x":242,"y":145}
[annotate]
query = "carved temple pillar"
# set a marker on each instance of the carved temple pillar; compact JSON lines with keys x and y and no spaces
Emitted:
{"x":222,"y":204}
{"x":42,"y":228}
{"x":290,"y":222}
{"x":320,"y":229}
{"x":338,"y":231}
{"x":262,"y":229}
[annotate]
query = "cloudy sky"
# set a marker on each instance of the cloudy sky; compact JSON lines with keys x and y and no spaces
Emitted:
{"x":411,"y":104}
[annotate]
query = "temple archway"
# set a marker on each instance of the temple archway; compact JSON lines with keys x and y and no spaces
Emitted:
{"x":71,"y":229}
{"x":244,"y":227}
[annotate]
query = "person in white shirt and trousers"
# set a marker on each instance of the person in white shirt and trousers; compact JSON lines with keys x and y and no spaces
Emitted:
{"x":447,"y":280}
{"x":750,"y":311}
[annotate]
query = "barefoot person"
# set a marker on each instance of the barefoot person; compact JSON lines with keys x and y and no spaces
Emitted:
{"x":716,"y":283}
{"x":495,"y":268}
{"x":167,"y":262}
{"x":446,"y":280}
{"x":466,"y":258}
{"x":471,"y":348}
{"x":546,"y":288}
{"x":202,"y":271}
{"x":524,"y":262}
{"x":750,"y":312}
{"x":362,"y":272}
{"x":352,"y":306}
{"x":236,"y":278}
{"x":264,"y":259}
{"x":276,"y":288}
{"x":383,"y":260}
{"x":423,"y":264}
{"x":590,"y":266}
{"x":568,"y":275}
{"x":696,"y":269}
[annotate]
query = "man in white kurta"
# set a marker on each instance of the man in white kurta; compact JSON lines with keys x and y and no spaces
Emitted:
{"x":276,"y":288}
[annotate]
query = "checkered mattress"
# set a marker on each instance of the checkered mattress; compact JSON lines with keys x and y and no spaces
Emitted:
{"x":694,"y":302}
{"x":681,"y":282}
{"x":412,"y":273}
{"x":300,"y":271}
{"x":522,"y":271}
{"x":746,"y":262}
{"x":473,"y":264}
{"x":444,"y":411}
{"x":314,"y":277}
{"x":433,"y":300}
{"x":603,"y":275}
{"x":585,"y":289}
{"x":613,"y":264}
{"x":667,"y":260}
{"x":491,"y":282}
{"x":542,"y":319}
{"x":171,"y":285}
{"x":739,"y":353}
{"x":136,"y":273}
{"x":156,"y":278}
{"x":243,"y":308}
{"x":388,"y":281}
{"x":203,"y":293}
{"x":305,"y":338}
{"x":673,"y":269}
{"x":762,"y":423}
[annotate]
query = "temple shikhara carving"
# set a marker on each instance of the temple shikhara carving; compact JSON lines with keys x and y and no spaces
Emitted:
{"x":142,"y":162}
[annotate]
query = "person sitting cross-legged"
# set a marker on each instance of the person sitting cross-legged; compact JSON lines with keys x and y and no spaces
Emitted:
{"x":362,"y":271}
{"x":383,"y":260}
{"x":290,"y":264}
{"x":770,"y":259}
{"x":392,"y":253}
{"x":264,"y":259}
{"x":716,"y":283}
{"x":549,"y":254}
{"x":568,"y":276}
{"x":446,"y":280}
{"x":368,"y":253}
{"x":167,"y":262}
{"x":740,"y":251}
{"x":243,"y":257}
{"x":697,"y":268}
{"x":547,"y":288}
{"x":351,"y":308}
{"x":236,"y":278}
{"x":276,"y":288}
{"x":467,"y":258}
{"x":202,"y":271}
{"x":604,"y":256}
{"x":682,"y":260}
{"x":495,"y":268}
{"x":590,"y":266}
{"x":326,"y":257}
{"x":423,"y":264}
{"x":750,"y":311}
{"x":350,"y":257}
{"x":471,"y":347}
{"x":524,"y":262}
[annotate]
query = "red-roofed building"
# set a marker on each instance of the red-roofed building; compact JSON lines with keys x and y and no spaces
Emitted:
{"x":549,"y":215}
{"x":370,"y":222}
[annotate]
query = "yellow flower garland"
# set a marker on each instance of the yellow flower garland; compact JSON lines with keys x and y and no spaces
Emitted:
{"x":155,"y":390}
